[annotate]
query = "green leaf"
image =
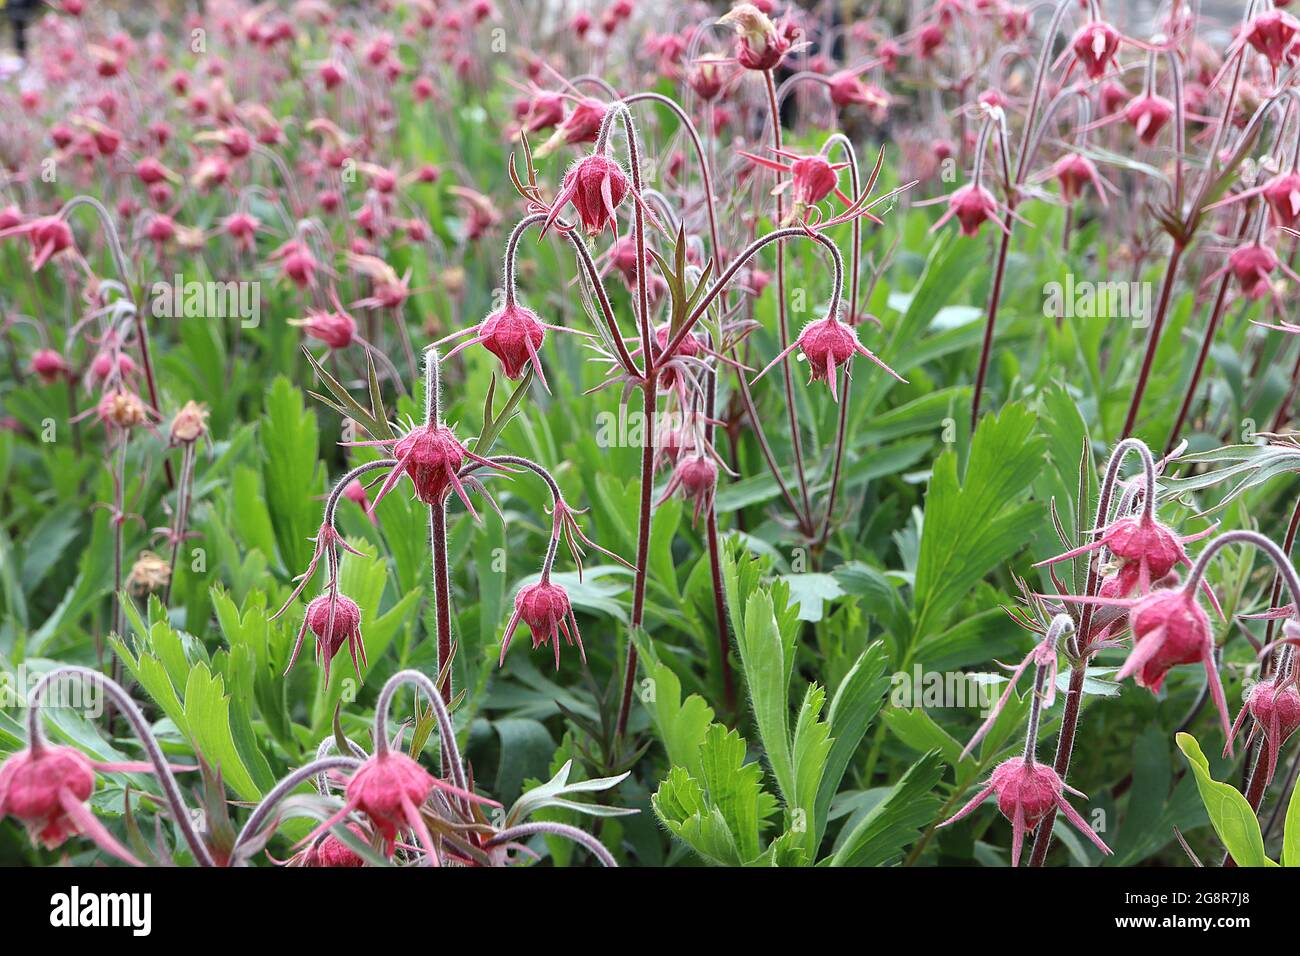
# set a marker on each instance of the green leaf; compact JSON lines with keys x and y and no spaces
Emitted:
{"x":897,"y":819}
{"x":1230,"y":814}
{"x":973,"y":526}
{"x":763,"y":658}
{"x":290,"y":474}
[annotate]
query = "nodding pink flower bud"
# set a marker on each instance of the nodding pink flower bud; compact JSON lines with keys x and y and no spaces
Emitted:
{"x":671,"y":444}
{"x":1015,"y":22}
{"x":333,"y":852}
{"x":296,"y":262}
{"x":1074,"y":172}
{"x":1273,"y":34}
{"x":60,"y":135}
{"x":431,"y":455}
{"x":333,"y":619}
{"x":1095,"y":46}
{"x":213,"y":170}
{"x":760,"y":44}
{"x":1169,"y":629}
{"x":545,"y":608}
{"x":972,"y":205}
{"x":1148,"y":114}
{"x":814,"y":179}
{"x":697,"y":478}
{"x":582,"y":125}
{"x":422,"y":89}
{"x":1147,"y":549}
{"x":43,"y":790}
{"x":513,"y":334}
{"x":1027,"y":791}
{"x":1252,"y":265}
{"x":161,"y":229}
{"x":336,"y":329}
{"x":236,"y":141}
{"x":888,"y":52}
{"x":1282,"y":193}
{"x":705,"y":78}
{"x":242,"y":228}
{"x":580,"y":24}
{"x":356,"y":493}
{"x":106,"y":362}
{"x":1275,"y":709}
{"x":828,"y":345}
{"x":10,"y":216}
{"x":149,"y":171}
{"x":48,"y":235}
{"x":542,"y":111}
{"x":928,"y":39}
{"x":49,"y":365}
{"x":331,"y":74}
{"x":596,"y":185}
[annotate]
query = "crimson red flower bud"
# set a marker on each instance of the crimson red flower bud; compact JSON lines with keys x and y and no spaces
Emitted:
{"x":10,"y":216}
{"x":1027,"y":791}
{"x":1148,"y":114}
{"x":161,"y":229}
{"x":545,"y":608}
{"x":42,"y":789}
{"x":1074,"y":172}
{"x":1252,"y":265}
{"x":1275,"y":709}
{"x":1147,"y":549}
{"x":582,"y":125}
{"x":149,"y":171}
{"x":336,"y":329}
{"x":597,"y":185}
{"x":1095,"y":46}
{"x":697,"y":478}
{"x":972,"y":205}
{"x":1273,"y":34}
{"x":1282,"y":193}
{"x":331,"y":74}
{"x":705,"y":78}
{"x":48,"y":235}
{"x":928,"y":39}
{"x":296,"y":262}
{"x":49,"y":365}
{"x":333,"y":852}
{"x":760,"y":44}
{"x":1169,"y":629}
{"x":828,"y":344}
{"x":333,"y":619}
{"x":242,"y":228}
{"x":513,"y":334}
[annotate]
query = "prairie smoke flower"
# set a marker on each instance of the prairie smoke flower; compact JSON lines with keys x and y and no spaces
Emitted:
{"x":210,"y":171}
{"x":582,"y":125}
{"x":1147,"y":549}
{"x":760,"y":43}
{"x":1272,"y":34}
{"x":1274,"y":707}
{"x":336,"y":329}
{"x":332,"y":852}
{"x":1027,"y":792}
{"x":705,"y":78}
{"x":846,"y":89}
{"x":46,"y":788}
{"x":333,"y":620}
{"x":390,"y":788}
{"x":1148,"y":114}
{"x":812,"y":179}
{"x":1094,"y":47}
{"x":150,"y":170}
{"x":697,"y":478}
{"x":241,"y":227}
{"x":928,"y":39}
{"x":972,"y":205}
{"x":48,"y":235}
{"x":296,"y":261}
{"x":828,"y":344}
{"x":49,"y":365}
{"x":432,"y":457}
{"x":1282,"y":193}
{"x":596,"y":185}
{"x":1252,"y":265}
{"x":1074,"y":172}
{"x":546,"y":609}
{"x":513,"y":334}
{"x":10,"y":216}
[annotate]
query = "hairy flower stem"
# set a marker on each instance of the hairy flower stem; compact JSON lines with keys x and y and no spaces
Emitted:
{"x":581,"y":837}
{"x":438,"y":532}
{"x":783,"y":325}
{"x":140,"y":727}
{"x":1162,"y":310}
{"x":183,"y":490}
{"x":648,"y":392}
{"x":281,"y":790}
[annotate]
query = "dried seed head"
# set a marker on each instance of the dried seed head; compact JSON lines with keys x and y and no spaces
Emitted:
{"x":121,"y":408}
{"x":150,"y":573}
{"x":190,"y":423}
